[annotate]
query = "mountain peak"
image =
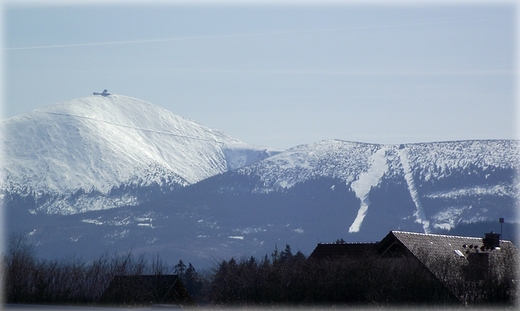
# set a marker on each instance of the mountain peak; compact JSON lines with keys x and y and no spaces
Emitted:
{"x":130,"y":112}
{"x":98,"y":143}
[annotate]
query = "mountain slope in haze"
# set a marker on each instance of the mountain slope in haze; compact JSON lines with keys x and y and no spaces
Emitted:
{"x":311,"y":193}
{"x":99,"y":152}
{"x":430,"y":173}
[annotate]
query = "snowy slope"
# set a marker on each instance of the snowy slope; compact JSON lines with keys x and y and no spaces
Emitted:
{"x":441,"y":171}
{"x":334,"y":159}
{"x":97,"y":174}
{"x":312,"y":193}
{"x":92,"y":145}
{"x":347,"y":160}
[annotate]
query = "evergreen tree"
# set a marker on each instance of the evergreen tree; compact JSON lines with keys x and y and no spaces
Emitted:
{"x":286,"y":255}
{"x":180,"y":269}
{"x":193,"y":282}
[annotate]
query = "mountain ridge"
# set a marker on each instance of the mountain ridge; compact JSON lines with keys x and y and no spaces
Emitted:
{"x":96,"y":143}
{"x":417,"y":163}
{"x":188,"y":192}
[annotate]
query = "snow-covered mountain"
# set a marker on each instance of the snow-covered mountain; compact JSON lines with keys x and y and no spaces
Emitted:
{"x":113,"y":173}
{"x":428,"y":171}
{"x":87,"y":153}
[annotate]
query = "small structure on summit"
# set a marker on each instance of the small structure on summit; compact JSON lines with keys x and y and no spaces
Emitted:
{"x":104,"y":93}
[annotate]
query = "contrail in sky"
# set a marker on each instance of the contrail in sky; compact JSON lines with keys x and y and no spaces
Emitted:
{"x":73,"y":45}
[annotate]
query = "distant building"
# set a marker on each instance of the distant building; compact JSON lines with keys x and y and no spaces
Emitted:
{"x":462,"y":265}
{"x":146,"y":290}
{"x":344,"y":250}
{"x":104,"y":93}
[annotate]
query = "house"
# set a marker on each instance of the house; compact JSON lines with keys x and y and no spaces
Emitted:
{"x":104,"y":93}
{"x":460,"y":268}
{"x":344,"y":250}
{"x":145,"y":290}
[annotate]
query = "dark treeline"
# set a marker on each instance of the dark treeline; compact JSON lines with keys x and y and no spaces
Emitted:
{"x":279,"y":279}
{"x":292,"y":280}
{"x":74,"y":281}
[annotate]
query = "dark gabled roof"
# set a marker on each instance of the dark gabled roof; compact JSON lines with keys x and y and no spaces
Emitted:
{"x":146,"y":289}
{"x":421,"y":245}
{"x":449,"y":259}
{"x":348,"y":250}
{"x":467,"y":257}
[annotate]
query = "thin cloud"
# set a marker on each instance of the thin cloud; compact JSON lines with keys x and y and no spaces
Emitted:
{"x":74,"y":45}
{"x":351,"y":73}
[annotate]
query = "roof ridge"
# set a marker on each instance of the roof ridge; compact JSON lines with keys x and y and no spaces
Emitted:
{"x":435,"y":234}
{"x":349,"y":243}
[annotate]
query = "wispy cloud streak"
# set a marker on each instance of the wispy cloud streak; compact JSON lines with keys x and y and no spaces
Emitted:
{"x":74,"y":45}
{"x":354,"y":72}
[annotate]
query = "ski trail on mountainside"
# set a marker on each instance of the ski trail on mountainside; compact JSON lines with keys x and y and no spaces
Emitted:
{"x":365,"y":182}
{"x":420,"y":216}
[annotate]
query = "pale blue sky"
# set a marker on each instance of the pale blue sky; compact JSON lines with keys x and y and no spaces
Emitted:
{"x":278,"y":75}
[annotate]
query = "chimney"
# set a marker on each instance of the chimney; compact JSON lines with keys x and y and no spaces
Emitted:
{"x":491,"y":241}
